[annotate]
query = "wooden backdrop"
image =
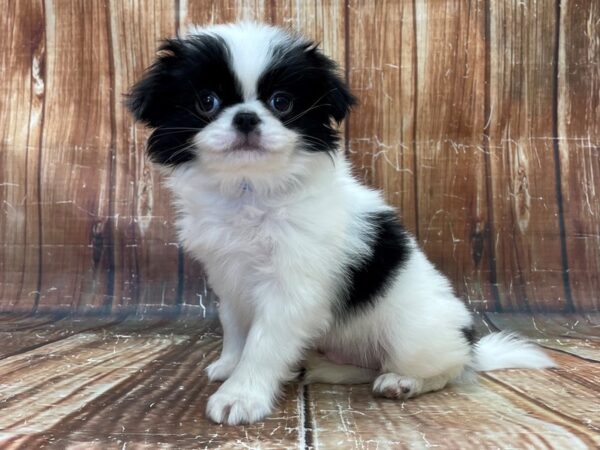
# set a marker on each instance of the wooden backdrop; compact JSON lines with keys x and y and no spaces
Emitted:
{"x":480,"y":119}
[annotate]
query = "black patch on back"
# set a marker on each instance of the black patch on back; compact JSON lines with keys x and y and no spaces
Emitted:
{"x":319,"y":94}
{"x":369,"y":278}
{"x":469,"y":335}
{"x":166,"y":97}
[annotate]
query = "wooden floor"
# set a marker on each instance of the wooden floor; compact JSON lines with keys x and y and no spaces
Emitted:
{"x":124,"y":383}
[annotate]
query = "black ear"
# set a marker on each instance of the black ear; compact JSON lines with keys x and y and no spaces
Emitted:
{"x":152,"y":99}
{"x":338,"y":94}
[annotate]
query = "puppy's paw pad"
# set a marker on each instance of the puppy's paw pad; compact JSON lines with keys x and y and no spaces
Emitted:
{"x":391,"y":385}
{"x":237,"y":409}
{"x":221,"y":369}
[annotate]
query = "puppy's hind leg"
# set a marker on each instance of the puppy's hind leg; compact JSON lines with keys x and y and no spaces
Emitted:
{"x":392,"y":385}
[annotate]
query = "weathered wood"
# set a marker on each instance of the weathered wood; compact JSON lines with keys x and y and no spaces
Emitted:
{"x":577,"y":381}
{"x":215,"y":11}
{"x":22,"y":89}
{"x":382,"y":73}
{"x":120,"y":387}
{"x":146,"y":252}
{"x":577,"y":335}
{"x":30,"y":333}
{"x":450,"y":166}
{"x":578,"y":143}
{"x":525,"y":228}
{"x":141,"y":383}
{"x":577,"y":326}
{"x":468,"y":417}
{"x":77,"y":159}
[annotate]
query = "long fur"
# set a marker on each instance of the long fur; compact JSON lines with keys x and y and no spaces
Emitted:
{"x":308,"y":262}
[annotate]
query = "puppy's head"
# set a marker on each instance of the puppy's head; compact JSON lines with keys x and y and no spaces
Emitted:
{"x":240,"y":97}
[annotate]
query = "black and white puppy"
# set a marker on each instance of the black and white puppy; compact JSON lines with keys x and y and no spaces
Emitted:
{"x":305,"y":259}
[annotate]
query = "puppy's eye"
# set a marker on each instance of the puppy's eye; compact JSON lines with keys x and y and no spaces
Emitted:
{"x":281,"y":103}
{"x":208,"y":103}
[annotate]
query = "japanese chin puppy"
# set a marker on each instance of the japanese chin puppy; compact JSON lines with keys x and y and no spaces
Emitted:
{"x":313,"y":269}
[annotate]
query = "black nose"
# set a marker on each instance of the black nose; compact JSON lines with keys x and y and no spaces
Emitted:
{"x":246,"y":121}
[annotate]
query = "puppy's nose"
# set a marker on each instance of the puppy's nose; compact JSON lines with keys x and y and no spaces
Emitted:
{"x":246,"y":121}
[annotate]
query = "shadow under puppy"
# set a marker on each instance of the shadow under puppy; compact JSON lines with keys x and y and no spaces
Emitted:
{"x":309,"y":264}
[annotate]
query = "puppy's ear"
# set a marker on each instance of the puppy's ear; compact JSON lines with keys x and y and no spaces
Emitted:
{"x":338,"y":95}
{"x":151,"y":100}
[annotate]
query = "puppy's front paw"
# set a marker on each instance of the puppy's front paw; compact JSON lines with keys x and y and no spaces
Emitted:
{"x":221,"y":369}
{"x":391,"y":385}
{"x":235,"y":407}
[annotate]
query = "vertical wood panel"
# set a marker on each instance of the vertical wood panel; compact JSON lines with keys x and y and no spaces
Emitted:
{"x":146,"y":250}
{"x":382,"y":75}
{"x":76,"y":165}
{"x":215,"y":11}
{"x":22,"y":65}
{"x":579,"y":146}
{"x":526,"y":235}
{"x":450,"y":163}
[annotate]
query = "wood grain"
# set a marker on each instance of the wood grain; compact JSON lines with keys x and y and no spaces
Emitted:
{"x":575,"y":326}
{"x":577,"y":382}
{"x":578,"y":145}
{"x":349,"y":417}
{"x":449,"y":145}
{"x":382,"y":74}
{"x":124,"y":386}
{"x":140,"y":383}
{"x":144,"y":239}
{"x":22,"y":89}
{"x":479,"y":120}
{"x":525,"y":234}
{"x":77,"y":247}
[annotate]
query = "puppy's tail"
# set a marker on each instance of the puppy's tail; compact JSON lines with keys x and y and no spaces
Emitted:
{"x":505,"y":350}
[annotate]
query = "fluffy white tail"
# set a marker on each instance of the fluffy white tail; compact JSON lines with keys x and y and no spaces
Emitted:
{"x":506,"y":350}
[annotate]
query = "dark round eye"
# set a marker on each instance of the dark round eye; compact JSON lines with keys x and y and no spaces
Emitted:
{"x":281,"y":103}
{"x":208,"y":103}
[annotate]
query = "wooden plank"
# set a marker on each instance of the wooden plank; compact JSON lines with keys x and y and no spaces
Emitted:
{"x":215,"y":11}
{"x":22,"y":63}
{"x":466,"y":417}
{"x":578,"y":326}
{"x":146,"y":249}
{"x":576,"y":334}
{"x":17,"y":337}
{"x":450,"y":165}
{"x":115,"y":390}
{"x":578,"y":381}
{"x":578,"y":145}
{"x":585,"y":349}
{"x":382,"y":74}
{"x":77,"y":159}
{"x":68,"y":375}
{"x":525,"y":235}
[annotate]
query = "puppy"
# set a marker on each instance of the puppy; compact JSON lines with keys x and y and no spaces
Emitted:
{"x":308,"y":262}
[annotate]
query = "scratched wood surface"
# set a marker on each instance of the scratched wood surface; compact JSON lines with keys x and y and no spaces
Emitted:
{"x":479,"y":119}
{"x":120,"y":383}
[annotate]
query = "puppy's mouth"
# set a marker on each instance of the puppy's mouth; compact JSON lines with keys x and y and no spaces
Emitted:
{"x":247,"y":143}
